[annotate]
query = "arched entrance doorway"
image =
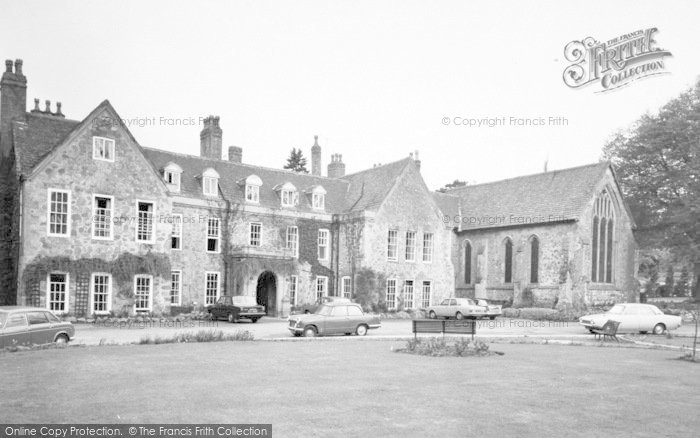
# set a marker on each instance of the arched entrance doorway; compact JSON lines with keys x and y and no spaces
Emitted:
{"x":267,"y":292}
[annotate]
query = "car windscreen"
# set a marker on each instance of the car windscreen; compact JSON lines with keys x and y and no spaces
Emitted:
{"x":617,"y":309}
{"x":323,"y":310}
{"x":244,"y":300}
{"x":3,"y":318}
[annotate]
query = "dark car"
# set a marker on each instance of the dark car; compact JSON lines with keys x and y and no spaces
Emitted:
{"x":334,"y":318}
{"x":236,"y":307}
{"x":32,"y":325}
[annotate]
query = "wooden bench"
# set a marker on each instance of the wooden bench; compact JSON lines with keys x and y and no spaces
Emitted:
{"x":449,"y":326}
{"x":609,"y":330}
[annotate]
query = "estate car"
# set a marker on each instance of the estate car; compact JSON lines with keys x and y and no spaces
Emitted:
{"x":32,"y":325}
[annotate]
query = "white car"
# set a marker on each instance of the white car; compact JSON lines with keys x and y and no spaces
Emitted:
{"x":633,"y":318}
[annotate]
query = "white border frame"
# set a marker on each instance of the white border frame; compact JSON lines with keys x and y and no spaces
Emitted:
{"x":432,"y":248}
{"x":415,"y":246}
{"x":403,"y":294}
{"x":386,"y":293}
{"x":48,"y":212}
{"x":286,"y":240}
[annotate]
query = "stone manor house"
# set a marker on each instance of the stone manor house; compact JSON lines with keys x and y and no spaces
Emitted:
{"x":93,"y":222}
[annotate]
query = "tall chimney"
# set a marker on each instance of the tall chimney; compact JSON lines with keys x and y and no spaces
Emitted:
{"x":316,"y":157}
{"x":336,"y":168}
{"x":13,"y":101}
{"x":210,"y":139}
{"x":235,"y":154}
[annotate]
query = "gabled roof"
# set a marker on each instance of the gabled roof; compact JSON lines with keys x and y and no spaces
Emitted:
{"x":448,"y":205}
{"x":233,"y":175}
{"x":556,"y":196}
{"x":36,"y":136}
{"x":369,"y":188}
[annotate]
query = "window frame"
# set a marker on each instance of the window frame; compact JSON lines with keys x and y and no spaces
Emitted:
{"x":322,"y":231}
{"x":291,"y":196}
{"x":179,"y":289}
{"x":534,"y":260}
{"x":175,"y":176}
{"x":431,"y":247}
{"x":251,"y":242}
{"x":390,"y":283}
{"x":346,"y":286}
{"x":206,"y":287}
{"x":66,"y":292}
{"x":468,"y":257}
{"x":413,"y":294}
{"x":106,"y":142}
{"x":423,"y":301}
{"x":293,"y":289}
{"x":318,"y":201}
{"x":150,"y":292}
{"x":394,"y":245}
{"x":295,"y":242}
{"x":321,"y":280}
{"x":153,"y":222}
{"x":110,"y":222}
{"x":108,"y":300}
{"x":68,"y":212}
{"x":216,"y":238}
{"x":507,"y":261}
{"x":178,"y":236}
{"x":411,"y":246}
{"x":252,"y":189}
{"x":210,"y":186}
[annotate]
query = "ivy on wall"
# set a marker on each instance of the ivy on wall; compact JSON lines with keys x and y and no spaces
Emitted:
{"x":123,"y":268}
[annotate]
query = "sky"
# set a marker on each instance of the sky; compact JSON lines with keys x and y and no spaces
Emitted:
{"x":373,"y":79}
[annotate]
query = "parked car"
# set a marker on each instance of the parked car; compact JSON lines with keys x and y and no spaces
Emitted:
{"x":334,"y":318}
{"x":492,"y":310}
{"x":236,"y":307}
{"x":458,"y":308}
{"x":633,"y":318}
{"x":32,"y":325}
{"x":311,"y":308}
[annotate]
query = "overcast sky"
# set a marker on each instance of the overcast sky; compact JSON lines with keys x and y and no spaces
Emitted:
{"x":373,"y":79}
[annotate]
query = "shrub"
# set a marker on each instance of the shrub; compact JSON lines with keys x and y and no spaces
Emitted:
{"x":199,"y":336}
{"x":437,"y":347}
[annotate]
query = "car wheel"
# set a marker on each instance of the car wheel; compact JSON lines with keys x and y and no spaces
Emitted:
{"x":254,"y":320}
{"x":643,"y":332}
{"x":659,"y":329}
{"x":230,"y":318}
{"x":459,"y":315}
{"x":492,"y":318}
{"x":361,"y":330}
{"x":432,"y":315}
{"x":309,"y":332}
{"x":62,"y":339}
{"x":306,"y":311}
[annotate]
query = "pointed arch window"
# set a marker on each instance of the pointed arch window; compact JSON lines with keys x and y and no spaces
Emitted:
{"x":534,"y":259}
{"x":508,"y":268}
{"x":602,"y":245}
{"x":467,"y":262}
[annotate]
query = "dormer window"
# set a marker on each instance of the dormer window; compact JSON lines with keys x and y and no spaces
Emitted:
{"x":289,"y":195}
{"x":318,"y":198}
{"x":171,"y":174}
{"x":252,"y":189}
{"x":103,"y":149}
{"x":210,"y":182}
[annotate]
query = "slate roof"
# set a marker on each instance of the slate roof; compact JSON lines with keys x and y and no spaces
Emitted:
{"x":36,"y":137}
{"x":556,"y":196}
{"x":448,"y":204}
{"x":368,"y":189}
{"x":231,"y":174}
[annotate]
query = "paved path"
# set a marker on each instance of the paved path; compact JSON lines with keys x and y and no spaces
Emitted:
{"x":273,"y":328}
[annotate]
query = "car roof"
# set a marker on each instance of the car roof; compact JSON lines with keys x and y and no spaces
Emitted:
{"x":340,"y":303}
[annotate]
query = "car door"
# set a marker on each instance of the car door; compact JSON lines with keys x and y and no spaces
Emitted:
{"x":337,"y":321}
{"x":16,"y":331}
{"x":40,"y":330}
{"x":443,"y":308}
{"x":629,"y":320}
{"x":355,"y":317}
{"x":647,"y":319}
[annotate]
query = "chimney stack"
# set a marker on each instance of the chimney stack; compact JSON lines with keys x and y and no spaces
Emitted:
{"x":210,"y":139}
{"x":316,"y":157}
{"x":336,"y":168}
{"x":415,"y":157}
{"x":235,"y":154}
{"x":13,"y":101}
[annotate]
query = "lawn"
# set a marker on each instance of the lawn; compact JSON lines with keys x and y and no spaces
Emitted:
{"x":359,"y":388}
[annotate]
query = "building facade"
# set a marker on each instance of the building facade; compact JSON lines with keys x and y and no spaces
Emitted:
{"x":94,"y":223}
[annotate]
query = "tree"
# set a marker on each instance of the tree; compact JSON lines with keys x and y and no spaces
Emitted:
{"x":668,"y":282}
{"x":296,"y":161}
{"x":657,"y":162}
{"x":453,"y":184}
{"x":681,"y":288}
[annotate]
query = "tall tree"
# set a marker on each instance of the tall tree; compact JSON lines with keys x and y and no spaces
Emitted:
{"x":296,"y":161}
{"x":453,"y":184}
{"x":658,"y":164}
